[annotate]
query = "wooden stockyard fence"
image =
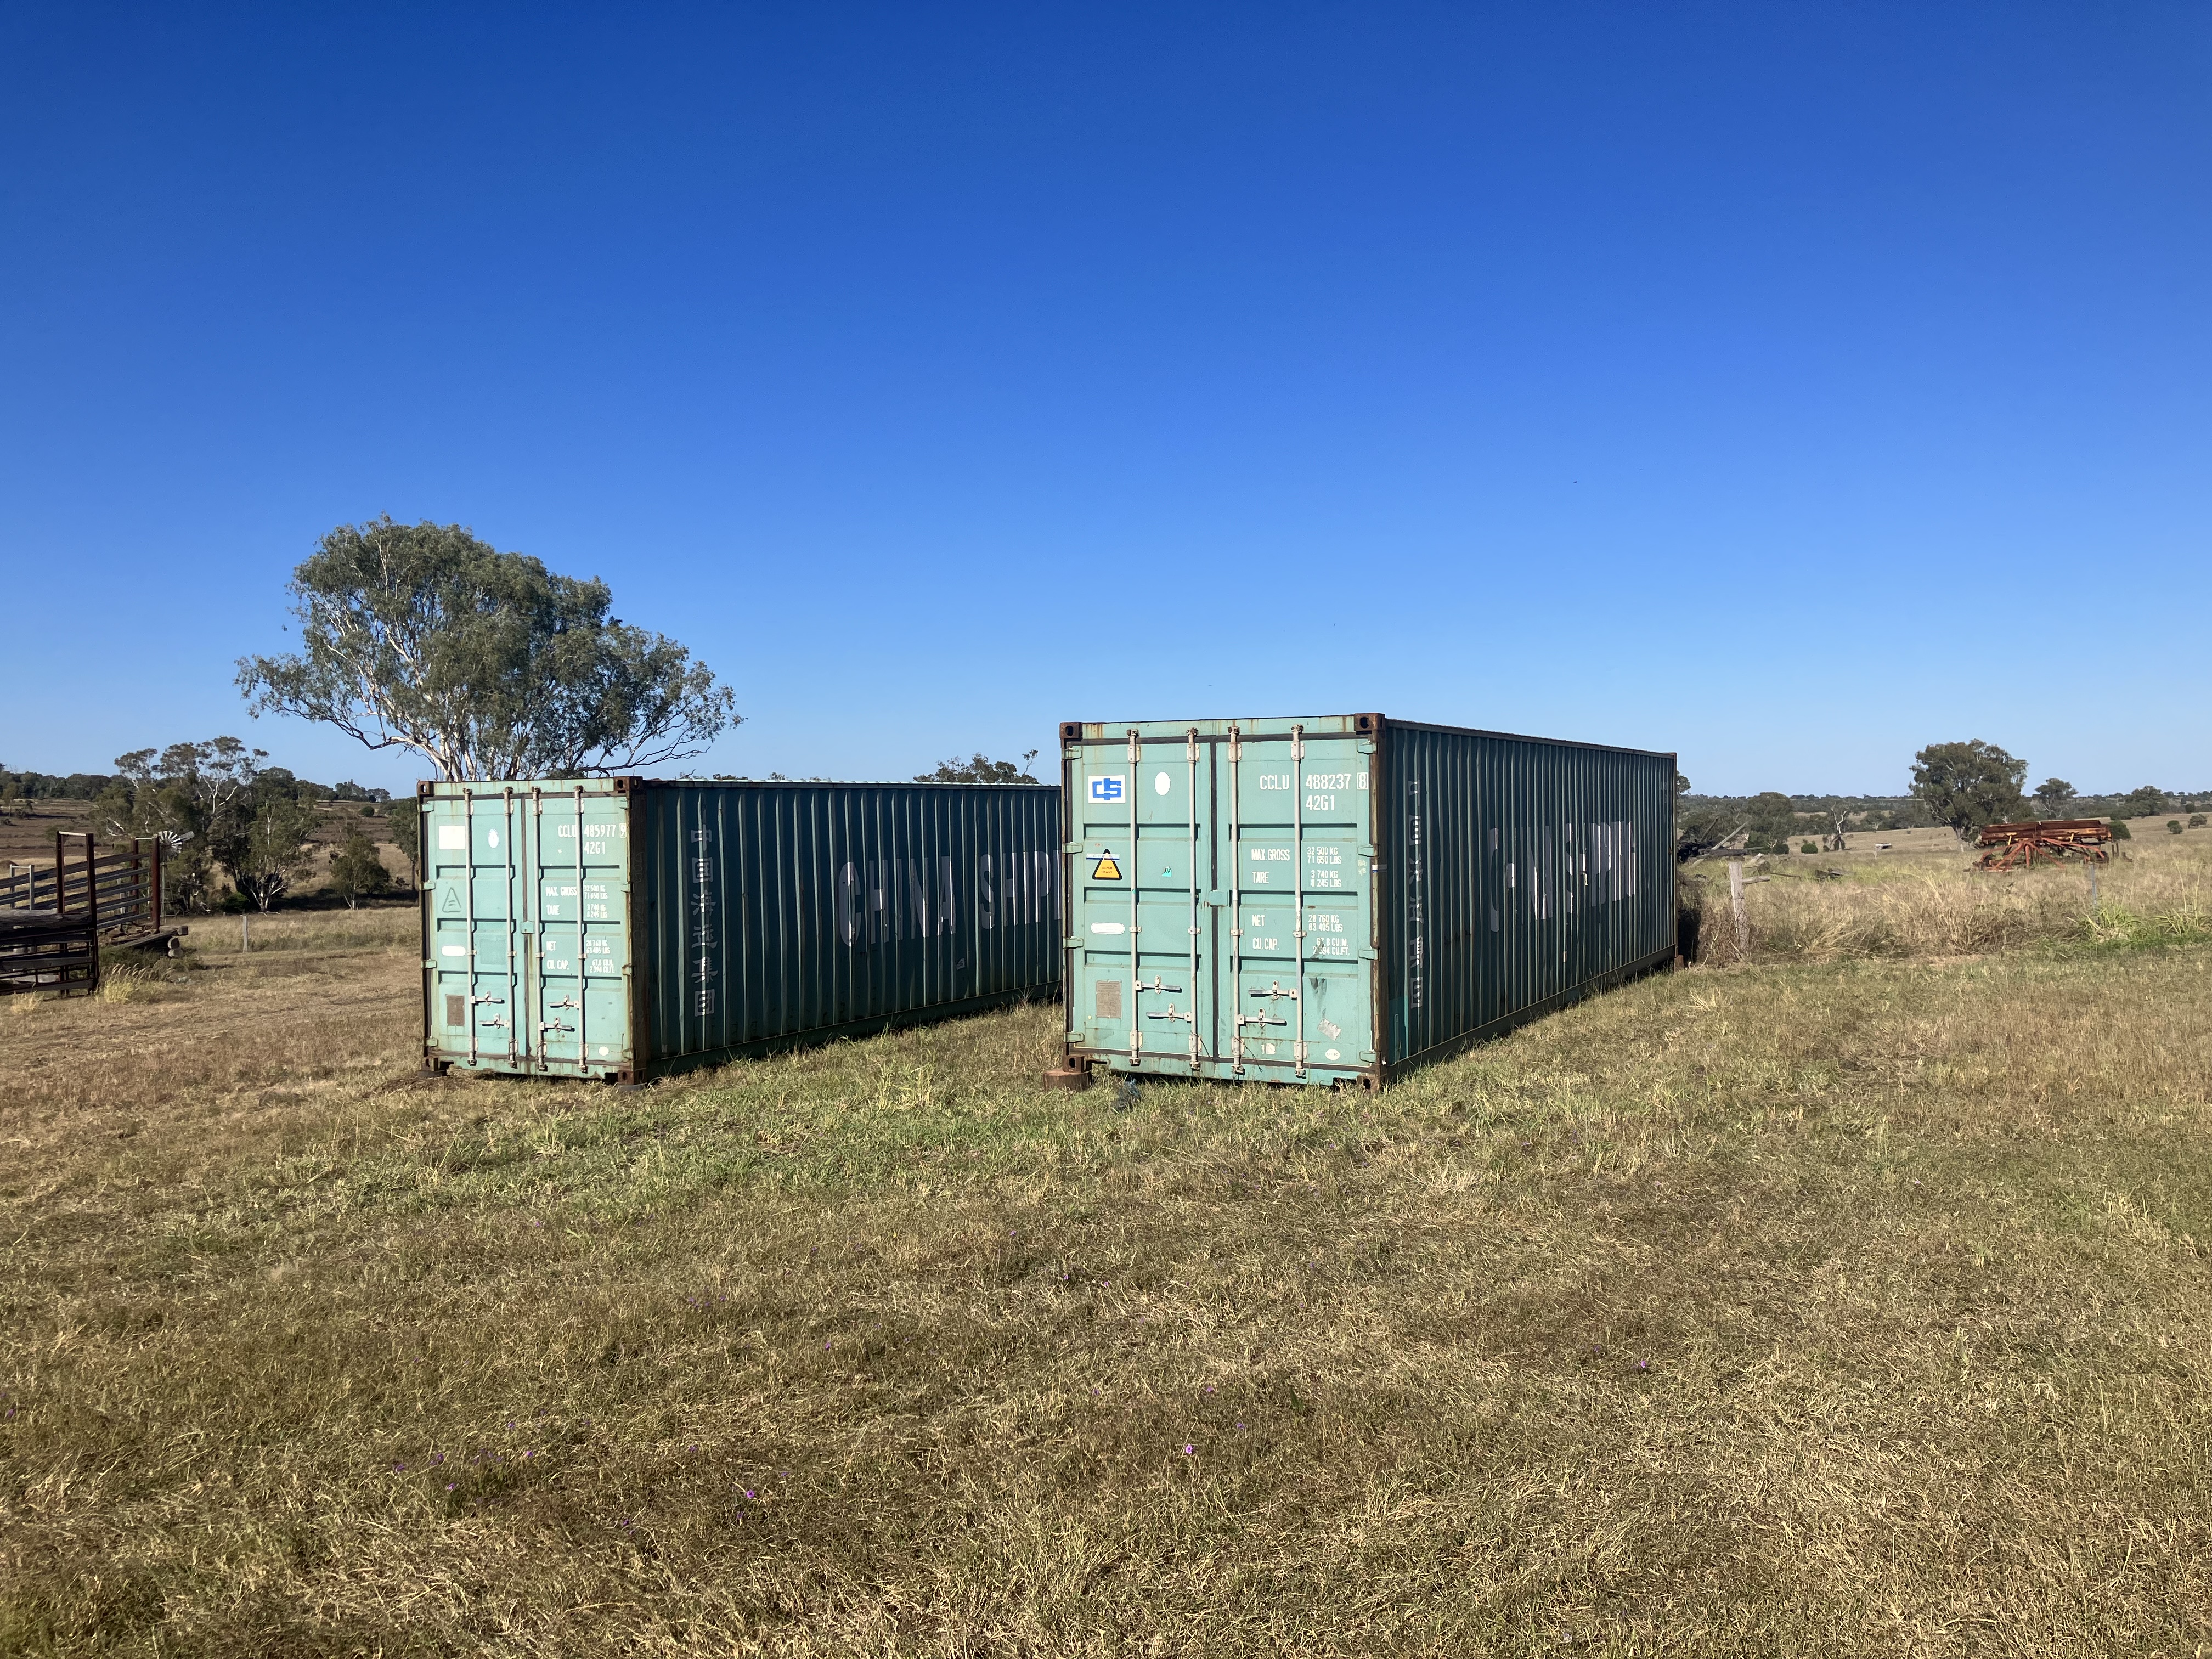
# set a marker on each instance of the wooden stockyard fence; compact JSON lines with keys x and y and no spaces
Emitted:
{"x":54,"y":918}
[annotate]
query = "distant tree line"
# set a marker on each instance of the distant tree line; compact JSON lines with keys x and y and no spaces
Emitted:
{"x":1958,"y":785}
{"x":980,"y":768}
{"x":90,"y":786}
{"x":221,"y":812}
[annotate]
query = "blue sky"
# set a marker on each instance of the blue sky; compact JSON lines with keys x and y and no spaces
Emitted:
{"x":1786,"y":386}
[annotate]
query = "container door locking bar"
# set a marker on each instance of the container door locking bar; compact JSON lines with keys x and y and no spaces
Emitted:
{"x":1298,"y":884}
{"x":1136,"y":880}
{"x":1235,"y":903}
{"x":514,"y":983}
{"x":1190,"y":742}
{"x":468,"y":881}
{"x":583,"y":963}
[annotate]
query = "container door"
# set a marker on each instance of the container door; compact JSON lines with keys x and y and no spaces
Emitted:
{"x":527,"y":891}
{"x":1301,"y":949}
{"x":1145,"y":901}
{"x":578,"y":985}
{"x":476,"y":930}
{"x":1221,"y":921}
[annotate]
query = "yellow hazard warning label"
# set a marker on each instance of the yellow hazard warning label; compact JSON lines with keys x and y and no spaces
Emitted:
{"x":1106,"y":869}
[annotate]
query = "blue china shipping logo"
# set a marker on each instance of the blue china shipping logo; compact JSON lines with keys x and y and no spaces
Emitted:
{"x":1108,"y":789}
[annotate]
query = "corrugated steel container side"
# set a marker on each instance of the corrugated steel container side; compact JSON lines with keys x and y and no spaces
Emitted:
{"x":627,"y":929}
{"x":775,"y":912}
{"x":1520,"y":873}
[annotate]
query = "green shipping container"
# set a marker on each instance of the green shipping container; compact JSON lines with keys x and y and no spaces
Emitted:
{"x":1336,"y":898}
{"x":624,"y":929}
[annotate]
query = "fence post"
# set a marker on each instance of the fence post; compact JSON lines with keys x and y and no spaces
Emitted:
{"x":1736,"y":903}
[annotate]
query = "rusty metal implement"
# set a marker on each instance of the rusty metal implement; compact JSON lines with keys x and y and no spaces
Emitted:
{"x":2017,"y":846}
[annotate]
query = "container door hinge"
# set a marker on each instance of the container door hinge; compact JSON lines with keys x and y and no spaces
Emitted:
{"x":1369,"y":953}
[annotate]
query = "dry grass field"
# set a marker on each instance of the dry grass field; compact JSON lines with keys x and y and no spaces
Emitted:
{"x":1853,"y":1300}
{"x":1919,"y":901}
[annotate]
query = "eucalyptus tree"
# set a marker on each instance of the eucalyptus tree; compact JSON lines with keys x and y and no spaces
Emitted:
{"x":487,"y":664}
{"x":980,"y":768}
{"x":2052,"y":795}
{"x":199,"y":798}
{"x":1967,"y":785}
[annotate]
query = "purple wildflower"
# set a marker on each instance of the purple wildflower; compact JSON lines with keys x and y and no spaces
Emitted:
{"x":1188,"y":1449}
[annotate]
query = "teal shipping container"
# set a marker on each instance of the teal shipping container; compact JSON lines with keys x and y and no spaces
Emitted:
{"x":624,"y":928}
{"x":1333,"y":899}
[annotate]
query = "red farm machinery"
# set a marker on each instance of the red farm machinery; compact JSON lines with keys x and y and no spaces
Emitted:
{"x":2017,"y":846}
